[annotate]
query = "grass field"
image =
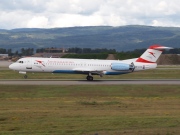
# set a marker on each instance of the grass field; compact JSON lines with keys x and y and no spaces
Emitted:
{"x":168,"y":73}
{"x":90,"y":110}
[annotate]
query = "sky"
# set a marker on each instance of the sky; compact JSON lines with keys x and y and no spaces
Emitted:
{"x":70,"y":13}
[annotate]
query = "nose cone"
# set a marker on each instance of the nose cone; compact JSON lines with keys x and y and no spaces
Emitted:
{"x":11,"y":66}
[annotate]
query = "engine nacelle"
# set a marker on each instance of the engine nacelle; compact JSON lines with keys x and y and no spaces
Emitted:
{"x":122,"y":66}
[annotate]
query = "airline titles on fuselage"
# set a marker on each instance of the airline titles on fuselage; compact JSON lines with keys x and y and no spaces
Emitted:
{"x":72,"y":63}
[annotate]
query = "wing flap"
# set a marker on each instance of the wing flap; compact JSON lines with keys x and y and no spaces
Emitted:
{"x":92,"y":71}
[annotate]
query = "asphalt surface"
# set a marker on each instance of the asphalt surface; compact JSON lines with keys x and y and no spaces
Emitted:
{"x":5,"y":63}
{"x":95,"y":82}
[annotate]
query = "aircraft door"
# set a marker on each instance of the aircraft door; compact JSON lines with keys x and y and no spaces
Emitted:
{"x":29,"y":64}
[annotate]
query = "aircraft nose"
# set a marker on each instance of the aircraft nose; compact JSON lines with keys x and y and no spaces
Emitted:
{"x":11,"y":66}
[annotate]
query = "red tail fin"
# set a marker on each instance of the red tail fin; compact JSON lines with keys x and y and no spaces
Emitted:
{"x":152,"y":54}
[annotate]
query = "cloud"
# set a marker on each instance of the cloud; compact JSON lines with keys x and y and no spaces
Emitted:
{"x":13,"y":19}
{"x":69,"y":13}
{"x":38,"y":22}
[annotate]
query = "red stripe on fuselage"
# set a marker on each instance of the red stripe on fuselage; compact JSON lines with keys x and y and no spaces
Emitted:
{"x":144,"y":61}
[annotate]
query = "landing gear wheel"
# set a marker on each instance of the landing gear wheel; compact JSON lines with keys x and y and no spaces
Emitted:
{"x":89,"y":78}
{"x":25,"y":76}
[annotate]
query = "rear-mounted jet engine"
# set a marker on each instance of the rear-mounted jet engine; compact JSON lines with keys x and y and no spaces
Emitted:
{"x":122,"y":67}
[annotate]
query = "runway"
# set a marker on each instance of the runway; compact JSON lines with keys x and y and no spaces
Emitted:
{"x":95,"y":82}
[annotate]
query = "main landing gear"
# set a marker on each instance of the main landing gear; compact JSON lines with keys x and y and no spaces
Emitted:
{"x":89,"y":78}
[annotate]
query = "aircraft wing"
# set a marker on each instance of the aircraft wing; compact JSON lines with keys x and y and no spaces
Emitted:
{"x":86,"y":70}
{"x":83,"y":69}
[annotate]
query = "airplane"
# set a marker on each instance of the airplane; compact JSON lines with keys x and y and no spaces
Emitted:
{"x":90,"y":67}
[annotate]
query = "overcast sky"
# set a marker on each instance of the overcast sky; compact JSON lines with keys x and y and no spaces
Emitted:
{"x":69,"y":13}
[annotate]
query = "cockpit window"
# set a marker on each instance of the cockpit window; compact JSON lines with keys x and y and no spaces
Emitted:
{"x":20,"y":61}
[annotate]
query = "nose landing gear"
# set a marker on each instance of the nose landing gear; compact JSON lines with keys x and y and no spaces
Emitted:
{"x":25,"y":76}
{"x":24,"y":73}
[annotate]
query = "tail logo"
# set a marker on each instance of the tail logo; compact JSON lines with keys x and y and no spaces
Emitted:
{"x":153,"y":54}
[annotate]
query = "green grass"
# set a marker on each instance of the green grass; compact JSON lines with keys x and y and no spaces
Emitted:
{"x":100,"y":110}
{"x":148,"y":74}
{"x":90,"y":110}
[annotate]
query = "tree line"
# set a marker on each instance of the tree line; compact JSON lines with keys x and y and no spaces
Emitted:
{"x":22,"y":52}
{"x":77,"y":50}
{"x":134,"y":53}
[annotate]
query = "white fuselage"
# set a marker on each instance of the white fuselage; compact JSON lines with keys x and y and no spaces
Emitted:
{"x":80,"y":66}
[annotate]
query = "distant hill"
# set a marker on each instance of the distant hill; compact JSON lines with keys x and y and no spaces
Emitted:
{"x":122,"y":38}
{"x":169,"y":59}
